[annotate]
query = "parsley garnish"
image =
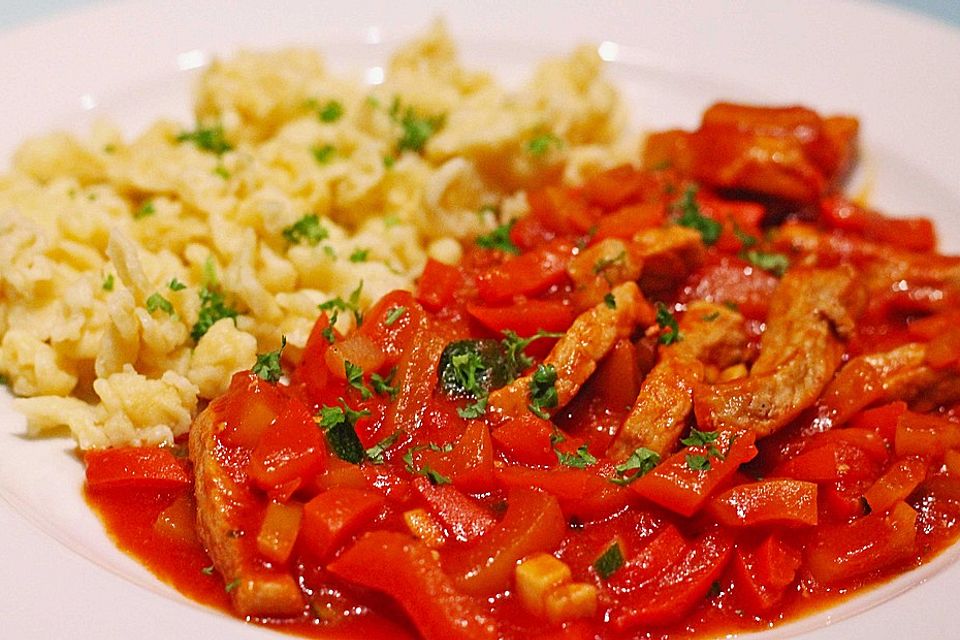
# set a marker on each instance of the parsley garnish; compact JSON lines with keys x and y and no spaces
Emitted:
{"x":351,"y":304}
{"x":690,"y":216}
{"x":375,"y":453}
{"x":706,"y":439}
{"x":393,"y":315}
{"x":746,"y":240}
{"x":330,"y":112}
{"x":207,"y":138}
{"x":323,"y":154}
{"x":541,"y":144}
{"x":432,"y":475}
{"x":146,"y":209}
{"x":700,"y":438}
{"x":355,"y":379}
{"x":697,"y":462}
{"x":499,"y":239}
{"x":306,"y":229}
{"x":157,"y":301}
{"x":609,"y":561}
{"x":610,"y":301}
{"x":359,"y":255}
{"x":473,"y":411}
{"x":543,"y":393}
{"x":207,"y":571}
{"x":176,"y":285}
{"x":384,"y":386}
{"x":710,"y":317}
{"x":233,"y":584}
{"x":775,"y":263}
{"x":339,"y":426}
{"x":639,"y":464}
{"x":581,"y":459}
{"x":416,"y":129}
{"x":221,"y":171}
{"x":108,"y":282}
{"x":212,"y":308}
{"x":268,"y":366}
{"x":666,"y":320}
{"x":514,"y":346}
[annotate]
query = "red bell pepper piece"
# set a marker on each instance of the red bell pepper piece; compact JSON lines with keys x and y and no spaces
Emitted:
{"x":469,"y":464}
{"x":581,"y":492}
{"x":768,"y":502}
{"x":147,"y":468}
{"x":312,"y":372}
{"x":617,"y":186}
{"x":392,"y":323}
{"x":533,"y":522}
{"x":438,"y":284}
{"x":407,"y":571}
{"x":912,"y":234}
{"x":290,"y":450}
{"x":682,"y":487}
{"x":840,"y":552}
{"x":561,"y":210}
{"x":679,"y":588}
{"x":463,"y":519}
{"x":665,"y":549}
{"x":896,"y":484}
{"x":248,"y":408}
{"x":761,"y":575}
{"x":525,"y":317}
{"x":921,"y":434}
{"x":733,"y":280}
{"x":882,"y":419}
{"x":627,"y":221}
{"x":333,"y":516}
{"x":944,"y":350}
{"x":526,"y":440}
{"x":527,"y":274}
{"x":836,"y":460}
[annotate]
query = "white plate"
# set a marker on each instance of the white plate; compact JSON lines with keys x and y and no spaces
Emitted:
{"x":62,"y":578}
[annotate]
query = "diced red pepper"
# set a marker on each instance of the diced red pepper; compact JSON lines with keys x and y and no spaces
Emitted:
{"x":463,"y":519}
{"x":677,"y":485}
{"x":679,"y":588}
{"x":333,"y":516}
{"x":438,"y":284}
{"x":896,"y":484}
{"x":533,"y":522}
{"x":760,"y":575}
{"x":525,"y":317}
{"x":665,"y":549}
{"x":617,"y":186}
{"x":290,"y":450}
{"x":526,"y":440}
{"x":407,"y":571}
{"x":527,"y":274}
{"x":629,"y":220}
{"x":833,"y":461}
{"x":562,"y":210}
{"x":146,"y":468}
{"x":882,"y":419}
{"x":392,"y":323}
{"x":921,"y":434}
{"x":312,"y":371}
{"x":944,"y":350}
{"x":469,"y":465}
{"x":582,"y":493}
{"x":912,"y":234}
{"x":249,"y":407}
{"x":874,"y":542}
{"x":768,"y":502}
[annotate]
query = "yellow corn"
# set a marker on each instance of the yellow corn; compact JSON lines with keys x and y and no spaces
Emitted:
{"x":536,"y":577}
{"x":734,"y":372}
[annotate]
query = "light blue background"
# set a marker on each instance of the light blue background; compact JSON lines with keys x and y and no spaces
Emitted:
{"x":14,"y":12}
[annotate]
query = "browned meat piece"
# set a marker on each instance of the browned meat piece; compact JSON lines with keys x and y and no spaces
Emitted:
{"x":669,"y":255}
{"x":601,"y":267}
{"x":711,"y":333}
{"x":811,"y":314}
{"x":222,"y":505}
{"x":576,"y":354}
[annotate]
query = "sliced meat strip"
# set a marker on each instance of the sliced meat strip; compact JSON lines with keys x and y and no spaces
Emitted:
{"x":257,"y":590}
{"x":812,"y":312}
{"x":711,"y":333}
{"x":669,"y":255}
{"x":576,"y":354}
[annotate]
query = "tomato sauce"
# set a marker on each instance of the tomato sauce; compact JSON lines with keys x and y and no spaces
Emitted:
{"x":696,"y":398}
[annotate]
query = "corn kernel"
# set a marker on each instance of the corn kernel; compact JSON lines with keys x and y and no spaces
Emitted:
{"x":537,"y":576}
{"x":734,"y":372}
{"x":423,"y":526}
{"x":571,"y":601}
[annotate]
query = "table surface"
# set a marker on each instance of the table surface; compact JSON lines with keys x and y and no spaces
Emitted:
{"x":16,"y":12}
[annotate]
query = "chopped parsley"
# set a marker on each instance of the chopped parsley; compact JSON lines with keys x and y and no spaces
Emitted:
{"x":434,"y":476}
{"x":708,"y":439}
{"x":474,"y":410}
{"x":209,"y":139}
{"x":359,"y":255}
{"x":610,"y":301}
{"x":666,"y":320}
{"x":212,"y":308}
{"x":354,"y":376}
{"x":710,"y":317}
{"x":307,"y":229}
{"x":393,"y":315}
{"x":157,"y":302}
{"x":640,"y":463}
{"x":323,"y":154}
{"x":539,"y":145}
{"x":375,"y":453}
{"x":699,"y":438}
{"x":4,"y":380}
{"x":233,"y":584}
{"x":746,"y":240}
{"x":384,"y":385}
{"x":108,"y":282}
{"x":176,"y":285}
{"x":580,"y":459}
{"x":515,"y":345}
{"x":207,"y":571}
{"x":543,"y":392}
{"x":416,"y":129}
{"x":339,"y":426}
{"x":690,"y":216}
{"x":609,"y":561}
{"x":331,"y":111}
{"x":268,"y":366}
{"x":775,"y":263}
{"x":221,"y":171}
{"x":499,"y":239}
{"x":146,"y":209}
{"x":697,"y":462}
{"x":388,"y":162}
{"x":600,"y":266}
{"x":352,"y":304}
